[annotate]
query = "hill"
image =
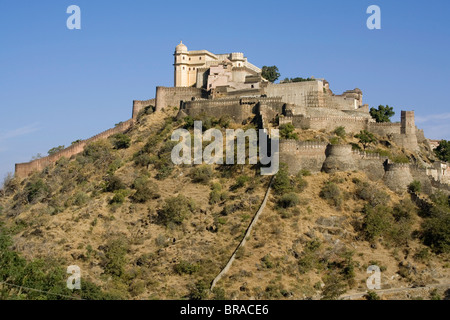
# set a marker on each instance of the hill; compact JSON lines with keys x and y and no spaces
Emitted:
{"x":141,"y":228}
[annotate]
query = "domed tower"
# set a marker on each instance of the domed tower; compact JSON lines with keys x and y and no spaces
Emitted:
{"x":181,"y":66}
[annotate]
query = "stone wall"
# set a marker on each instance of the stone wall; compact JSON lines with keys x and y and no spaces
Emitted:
{"x":306,"y":94}
{"x":340,"y":102}
{"x":420,"y":174}
{"x":398,"y":176}
{"x":172,"y":97}
{"x":25,"y":169}
{"x":383,"y":129}
{"x":239,"y":109}
{"x":339,"y":158}
{"x":300,"y":155}
{"x":351,"y":124}
{"x":139,"y":105}
{"x":440,"y":186}
{"x":407,"y":141}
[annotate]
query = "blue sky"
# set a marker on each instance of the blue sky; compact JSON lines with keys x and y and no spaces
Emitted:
{"x":59,"y":85}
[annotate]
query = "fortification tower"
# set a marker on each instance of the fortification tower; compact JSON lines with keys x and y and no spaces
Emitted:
{"x":408,"y":125}
{"x":181,"y":76}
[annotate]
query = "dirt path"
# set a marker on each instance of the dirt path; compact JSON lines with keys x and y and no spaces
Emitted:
{"x":396,"y":290}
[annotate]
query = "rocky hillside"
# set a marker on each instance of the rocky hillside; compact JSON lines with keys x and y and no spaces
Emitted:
{"x":141,"y":228}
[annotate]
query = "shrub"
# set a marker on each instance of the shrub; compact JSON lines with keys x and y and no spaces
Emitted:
{"x":399,"y":158}
{"x":405,"y":210}
{"x":176,"y":209}
{"x":119,"y":197}
{"x":185,"y":267}
{"x":334,"y":286}
{"x":163,"y":162}
{"x":201,"y":174}
{"x":377,"y":222}
{"x":369,"y":192}
{"x":55,"y":150}
{"x":422,"y":255}
{"x":288,"y":200}
{"x":267,"y":262}
{"x":332,"y":193}
{"x":145,"y":190}
{"x":10,"y":184}
{"x":415,"y":187}
{"x":300,"y":182}
{"x":309,"y":259}
{"x":436,"y":232}
{"x":287,"y":132}
{"x":198,"y":291}
{"x":304,"y":172}
{"x":80,"y":198}
{"x":115,"y":257}
{"x":217,"y":194}
{"x":366,"y":138}
{"x":36,"y":190}
{"x":335,"y":140}
{"x":340,"y":132}
{"x":121,"y":141}
{"x":282,"y":183}
{"x":229,"y":209}
{"x":113,"y":183}
{"x":219,"y":293}
{"x":434,"y":295}
{"x":240,"y":182}
{"x":98,"y":152}
{"x":142,"y":159}
{"x":164,"y":167}
{"x":372,"y":295}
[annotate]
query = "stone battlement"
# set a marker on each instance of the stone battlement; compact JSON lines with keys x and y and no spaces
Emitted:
{"x":385,"y":124}
{"x":365,"y":155}
{"x":138,"y":105}
{"x":25,"y":169}
{"x":296,"y":146}
{"x":397,"y":166}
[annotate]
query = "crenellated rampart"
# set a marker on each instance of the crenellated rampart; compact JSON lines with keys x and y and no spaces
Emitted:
{"x":25,"y":169}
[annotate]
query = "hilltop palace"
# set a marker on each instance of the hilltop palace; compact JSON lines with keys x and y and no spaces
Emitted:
{"x":229,"y":85}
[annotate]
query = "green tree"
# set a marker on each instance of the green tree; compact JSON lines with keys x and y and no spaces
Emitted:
{"x":270,"y":73}
{"x":282,"y":183}
{"x":334,"y":286}
{"x":382,"y":114}
{"x":176,"y":209}
{"x":55,"y":150}
{"x":76,"y":141}
{"x":366,"y":138}
{"x":443,"y":151}
{"x":287,"y":132}
{"x":121,"y":141}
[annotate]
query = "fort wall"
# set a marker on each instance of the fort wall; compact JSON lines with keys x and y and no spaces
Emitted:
{"x":298,"y":155}
{"x":139,"y":105}
{"x":398,"y":176}
{"x":351,"y":124}
{"x":25,"y":169}
{"x":384,"y":128}
{"x":171,"y":97}
{"x":339,"y":158}
{"x":303,"y":94}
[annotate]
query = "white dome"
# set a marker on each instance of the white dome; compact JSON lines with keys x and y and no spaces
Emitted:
{"x":181,"y":47}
